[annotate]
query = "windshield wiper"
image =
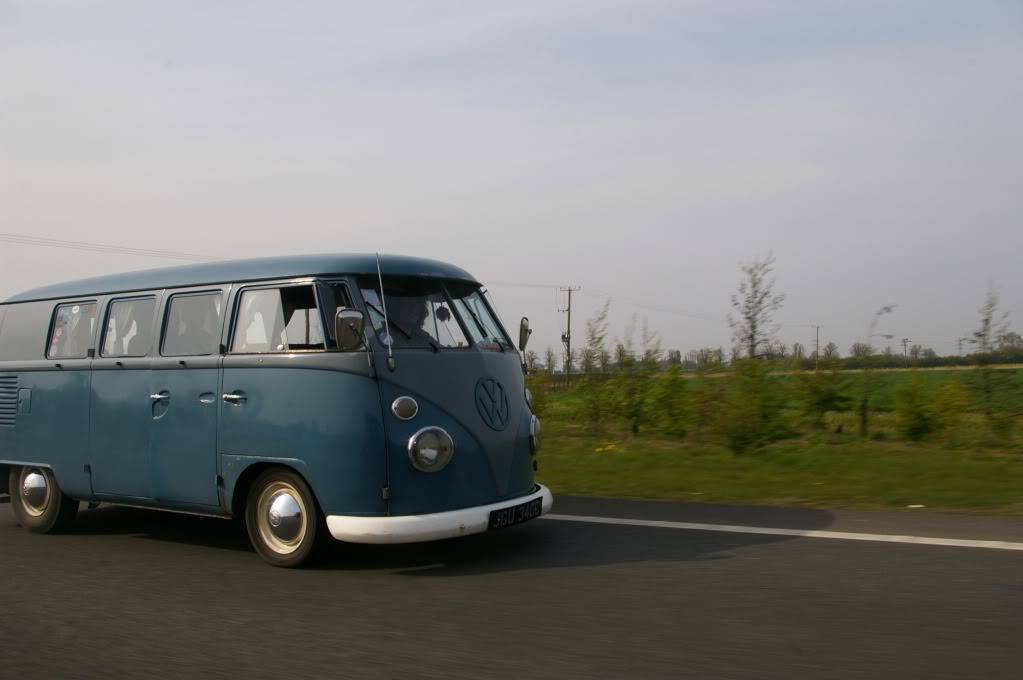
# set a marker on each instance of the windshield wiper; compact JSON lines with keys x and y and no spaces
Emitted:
{"x":483,"y":329}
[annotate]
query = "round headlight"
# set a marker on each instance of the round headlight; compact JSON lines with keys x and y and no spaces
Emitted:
{"x":534,"y":434}
{"x":430,"y":449}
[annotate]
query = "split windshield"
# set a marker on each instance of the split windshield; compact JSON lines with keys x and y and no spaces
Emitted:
{"x":429,"y":313}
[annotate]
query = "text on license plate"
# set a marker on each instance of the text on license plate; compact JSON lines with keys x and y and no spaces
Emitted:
{"x":516,"y":514}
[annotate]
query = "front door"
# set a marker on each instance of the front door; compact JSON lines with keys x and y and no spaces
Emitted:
{"x":186,"y":390}
{"x":291,"y":397}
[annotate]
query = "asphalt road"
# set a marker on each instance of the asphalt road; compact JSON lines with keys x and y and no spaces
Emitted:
{"x":139,"y":593}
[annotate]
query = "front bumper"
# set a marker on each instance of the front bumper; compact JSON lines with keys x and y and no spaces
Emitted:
{"x":431,"y":527}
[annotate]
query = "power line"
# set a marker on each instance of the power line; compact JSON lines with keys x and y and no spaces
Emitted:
{"x":516,"y":284}
{"x":106,"y":248}
{"x":639,"y":304}
{"x":634,"y":302}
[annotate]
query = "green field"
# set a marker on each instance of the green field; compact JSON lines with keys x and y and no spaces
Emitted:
{"x":968,"y":469}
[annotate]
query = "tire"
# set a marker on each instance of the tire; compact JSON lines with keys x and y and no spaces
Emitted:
{"x":282,"y":518}
{"x":37,"y":501}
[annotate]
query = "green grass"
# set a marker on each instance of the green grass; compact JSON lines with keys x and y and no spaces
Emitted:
{"x":813,"y":471}
{"x":965,"y":470}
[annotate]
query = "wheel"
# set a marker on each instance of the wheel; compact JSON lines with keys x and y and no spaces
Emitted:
{"x":282,"y":518}
{"x":38,"y":502}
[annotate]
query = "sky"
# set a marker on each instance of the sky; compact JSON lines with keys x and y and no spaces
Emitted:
{"x":640,"y":150}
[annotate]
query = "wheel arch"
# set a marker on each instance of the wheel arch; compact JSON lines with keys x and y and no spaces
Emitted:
{"x":243,"y":484}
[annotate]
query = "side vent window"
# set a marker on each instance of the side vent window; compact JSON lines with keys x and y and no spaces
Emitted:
{"x":74,"y":326}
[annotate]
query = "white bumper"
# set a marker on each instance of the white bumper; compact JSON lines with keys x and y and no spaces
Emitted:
{"x":421,"y":528}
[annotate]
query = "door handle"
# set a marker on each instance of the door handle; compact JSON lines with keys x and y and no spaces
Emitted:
{"x":159,"y":397}
{"x":235,"y":398}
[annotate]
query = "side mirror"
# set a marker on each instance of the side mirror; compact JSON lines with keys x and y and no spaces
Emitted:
{"x":348,"y":326}
{"x":524,"y":332}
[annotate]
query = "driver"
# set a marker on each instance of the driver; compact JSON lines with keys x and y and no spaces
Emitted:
{"x":409,"y":314}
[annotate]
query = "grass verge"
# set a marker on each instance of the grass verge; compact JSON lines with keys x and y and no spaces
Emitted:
{"x":819,"y":471}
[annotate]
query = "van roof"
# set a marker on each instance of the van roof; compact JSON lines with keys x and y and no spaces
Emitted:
{"x":246,"y":270}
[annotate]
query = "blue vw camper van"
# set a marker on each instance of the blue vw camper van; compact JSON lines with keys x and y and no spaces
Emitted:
{"x":377,"y":399}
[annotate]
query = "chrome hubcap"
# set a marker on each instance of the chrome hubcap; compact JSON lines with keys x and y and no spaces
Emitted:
{"x":281,"y":517}
{"x":35,"y":492}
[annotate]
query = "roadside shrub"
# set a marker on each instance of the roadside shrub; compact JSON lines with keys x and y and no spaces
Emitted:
{"x":950,"y":404}
{"x":597,"y":404}
{"x":995,"y":394}
{"x":914,"y":412}
{"x":669,"y":403}
{"x":631,"y":392}
{"x":751,"y":411}
{"x":822,"y":392}
{"x":539,"y":386}
{"x":706,"y":395}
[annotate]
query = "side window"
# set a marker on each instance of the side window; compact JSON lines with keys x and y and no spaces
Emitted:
{"x":273,"y":320}
{"x":193,"y":325}
{"x":129,"y":331}
{"x":72,"y":332}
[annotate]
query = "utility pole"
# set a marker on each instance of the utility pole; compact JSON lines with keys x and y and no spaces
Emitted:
{"x":817,"y":354}
{"x":905,"y":349}
{"x":566,"y":337}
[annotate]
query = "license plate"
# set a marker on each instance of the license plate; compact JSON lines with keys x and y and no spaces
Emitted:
{"x":516,"y":514}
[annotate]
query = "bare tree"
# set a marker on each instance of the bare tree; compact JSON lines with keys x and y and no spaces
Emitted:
{"x":754,"y":306}
{"x":532,"y":361}
{"x":864,"y":405}
{"x":989,"y":384}
{"x":1010,"y":340}
{"x":705,"y":358}
{"x":651,"y":346}
{"x":830,"y":351}
{"x":993,"y":326}
{"x":861,"y":350}
{"x":550,"y":361}
{"x":594,"y":354}
{"x":622,"y":355}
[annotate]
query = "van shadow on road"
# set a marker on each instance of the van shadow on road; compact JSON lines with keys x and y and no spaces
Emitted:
{"x":541,"y":544}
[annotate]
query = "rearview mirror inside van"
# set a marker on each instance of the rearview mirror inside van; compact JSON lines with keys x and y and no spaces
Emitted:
{"x":348,"y":325}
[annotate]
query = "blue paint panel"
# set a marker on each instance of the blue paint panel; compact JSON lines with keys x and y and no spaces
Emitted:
{"x":119,"y":445}
{"x":24,"y":401}
{"x":489,"y":465}
{"x":248,"y":270}
{"x":184,"y":434}
{"x":56,"y":432}
{"x":328,"y":420}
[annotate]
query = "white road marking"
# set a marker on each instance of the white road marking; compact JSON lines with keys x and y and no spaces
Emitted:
{"x":802,"y":533}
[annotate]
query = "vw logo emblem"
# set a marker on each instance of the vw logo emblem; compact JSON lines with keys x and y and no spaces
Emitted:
{"x":275,"y":518}
{"x":492,"y":402}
